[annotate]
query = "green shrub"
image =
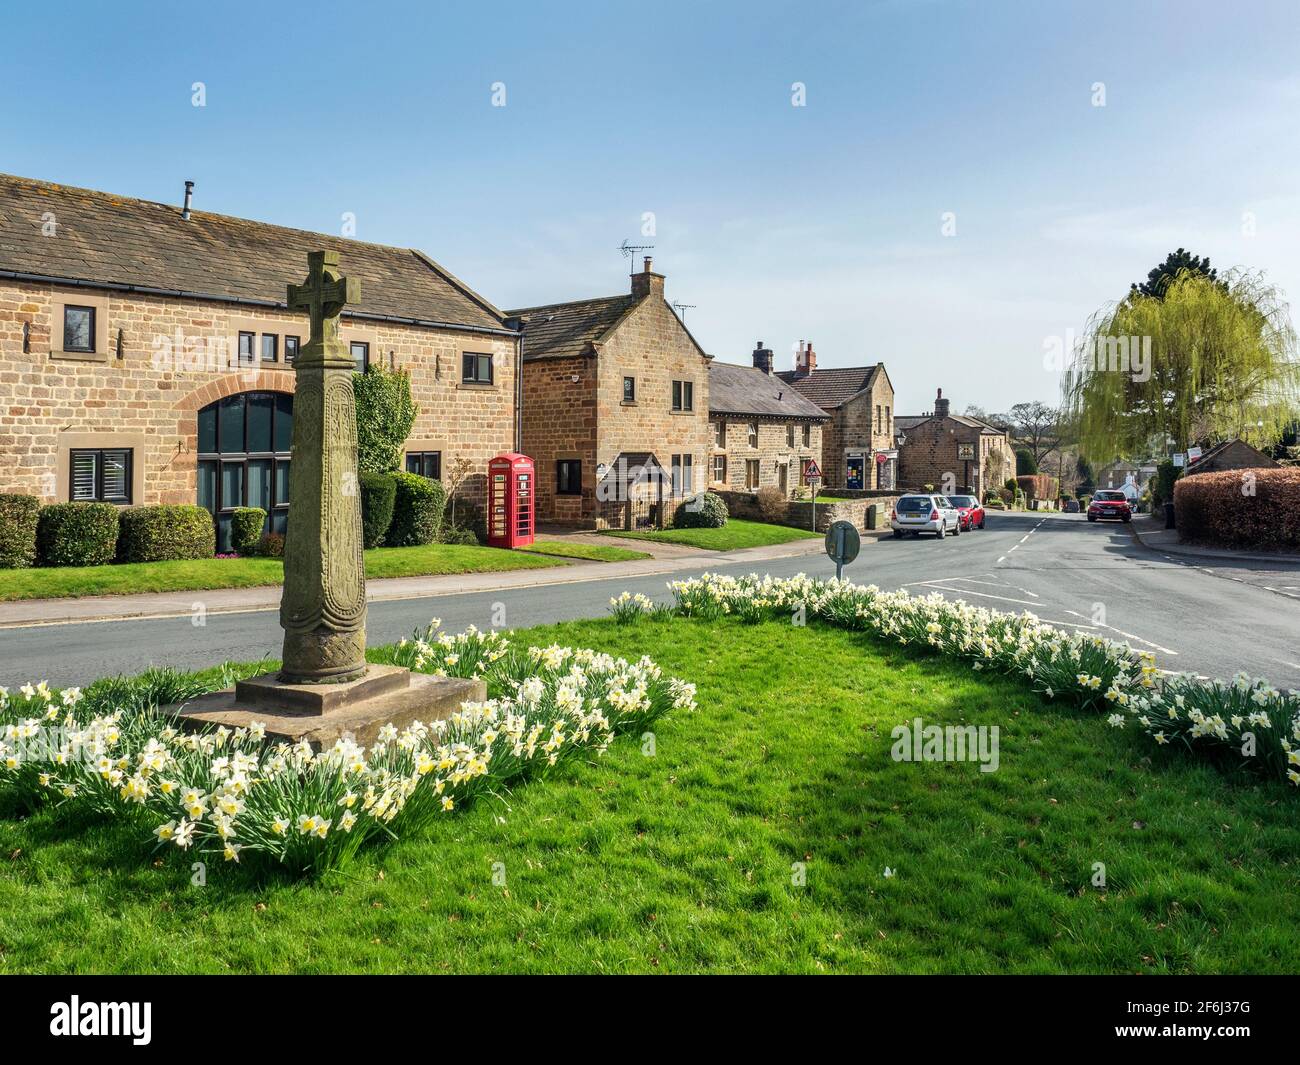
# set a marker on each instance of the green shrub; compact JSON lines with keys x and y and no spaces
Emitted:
{"x":385,"y":414}
{"x":246,"y":524}
{"x":1025,"y":462}
{"x":77,"y":534}
{"x":271,"y":545}
{"x":451,"y":534}
{"x":703,"y":511}
{"x":378,"y":493}
{"x":1162,"y":484}
{"x":18,"y":518}
{"x":1010,"y":485}
{"x":162,"y":533}
{"x":417,"y":511}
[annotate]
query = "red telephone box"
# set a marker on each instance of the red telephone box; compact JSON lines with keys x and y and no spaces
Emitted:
{"x":511,"y":492}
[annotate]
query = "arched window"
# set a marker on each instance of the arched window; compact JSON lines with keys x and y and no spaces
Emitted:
{"x":243,"y":458}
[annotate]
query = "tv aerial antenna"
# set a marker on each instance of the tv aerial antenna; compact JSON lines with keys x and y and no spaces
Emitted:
{"x":629,"y":252}
{"x":681,"y":309}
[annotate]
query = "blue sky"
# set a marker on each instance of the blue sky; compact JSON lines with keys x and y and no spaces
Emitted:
{"x":778,"y":222}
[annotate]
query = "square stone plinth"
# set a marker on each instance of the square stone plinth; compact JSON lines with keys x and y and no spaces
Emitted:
{"x":323,"y":713}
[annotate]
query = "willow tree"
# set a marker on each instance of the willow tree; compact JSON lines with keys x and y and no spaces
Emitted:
{"x":1208,"y":360}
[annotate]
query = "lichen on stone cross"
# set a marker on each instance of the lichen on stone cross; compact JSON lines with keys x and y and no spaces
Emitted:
{"x":323,"y":605}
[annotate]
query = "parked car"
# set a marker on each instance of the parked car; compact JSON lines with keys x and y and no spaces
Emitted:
{"x":916,"y":513}
{"x":1110,"y":503}
{"x":969,"y":511}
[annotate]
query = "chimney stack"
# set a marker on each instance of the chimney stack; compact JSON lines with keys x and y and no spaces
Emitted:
{"x":763,"y":358}
{"x":648,"y":283}
{"x":189,"y":195}
{"x":805,"y":360}
{"x":940,"y":405}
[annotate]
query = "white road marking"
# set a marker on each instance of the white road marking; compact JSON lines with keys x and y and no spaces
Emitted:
{"x":1129,"y":635}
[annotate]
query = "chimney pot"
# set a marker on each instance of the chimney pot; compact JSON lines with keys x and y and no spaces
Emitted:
{"x":649,"y":262}
{"x":189,"y":195}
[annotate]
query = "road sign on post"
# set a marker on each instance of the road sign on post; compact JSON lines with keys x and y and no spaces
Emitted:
{"x":842,"y":545}
{"x":812,"y":473}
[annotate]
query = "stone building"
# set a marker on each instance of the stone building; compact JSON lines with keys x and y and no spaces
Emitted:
{"x":953,"y":452}
{"x":146,"y":352}
{"x":615,"y":407}
{"x":859,"y":449}
{"x":763,"y":431}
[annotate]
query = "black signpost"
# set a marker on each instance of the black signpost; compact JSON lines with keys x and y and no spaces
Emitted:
{"x":842,"y":545}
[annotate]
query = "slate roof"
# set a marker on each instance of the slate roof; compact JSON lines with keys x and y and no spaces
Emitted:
{"x":117,"y":240}
{"x":556,"y":330}
{"x":830,"y":387}
{"x":748,"y":390}
{"x":910,"y":421}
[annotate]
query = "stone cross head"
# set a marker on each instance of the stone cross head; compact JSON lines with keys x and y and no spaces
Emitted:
{"x":323,"y":295}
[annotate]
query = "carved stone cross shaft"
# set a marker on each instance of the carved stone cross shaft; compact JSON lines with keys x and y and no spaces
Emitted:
{"x":323,"y":606}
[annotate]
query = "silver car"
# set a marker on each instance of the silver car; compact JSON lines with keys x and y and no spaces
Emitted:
{"x":916,"y":513}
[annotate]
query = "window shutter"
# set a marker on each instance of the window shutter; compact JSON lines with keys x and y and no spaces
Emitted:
{"x":83,"y":475}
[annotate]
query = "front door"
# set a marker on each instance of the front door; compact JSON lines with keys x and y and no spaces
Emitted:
{"x":853,"y":477}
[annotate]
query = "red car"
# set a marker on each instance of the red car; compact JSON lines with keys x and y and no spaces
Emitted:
{"x":969,"y":512}
{"x":1110,"y":504}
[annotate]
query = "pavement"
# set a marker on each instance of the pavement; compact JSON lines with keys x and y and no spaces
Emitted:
{"x":1151,"y":531}
{"x":1209,"y":616}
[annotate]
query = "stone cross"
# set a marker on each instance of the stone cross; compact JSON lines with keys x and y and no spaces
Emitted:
{"x":323,"y":605}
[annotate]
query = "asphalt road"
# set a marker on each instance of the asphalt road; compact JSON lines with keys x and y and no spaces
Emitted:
{"x":1212,"y":619}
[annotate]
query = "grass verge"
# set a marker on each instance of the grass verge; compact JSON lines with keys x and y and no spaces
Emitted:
{"x":736,"y":534}
{"x":686,"y":861}
{"x":587,"y":552}
{"x":133,"y":578}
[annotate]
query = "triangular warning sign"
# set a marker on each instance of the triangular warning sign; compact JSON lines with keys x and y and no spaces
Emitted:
{"x":812,"y":472}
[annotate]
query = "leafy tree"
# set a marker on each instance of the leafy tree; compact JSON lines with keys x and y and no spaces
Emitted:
{"x":1222,"y":365}
{"x":385,"y":414}
{"x":1161,"y":277}
{"x":1026,"y":464}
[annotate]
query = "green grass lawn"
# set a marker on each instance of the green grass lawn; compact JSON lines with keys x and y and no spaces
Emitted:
{"x":591,"y":552}
{"x":682,"y":862}
{"x":136,"y":577}
{"x":736,"y":534}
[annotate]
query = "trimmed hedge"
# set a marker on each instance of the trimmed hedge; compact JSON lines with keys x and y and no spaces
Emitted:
{"x":166,"y":533}
{"x":18,"y":519}
{"x":1162,"y":484}
{"x":1037,"y":486}
{"x":704,"y":511}
{"x":246,"y":524}
{"x":378,"y":494}
{"x":417,"y":510}
{"x":271,"y":545}
{"x":77,"y":534}
{"x":1240,"y":508}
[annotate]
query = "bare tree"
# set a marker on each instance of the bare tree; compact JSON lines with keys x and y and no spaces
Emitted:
{"x":1037,"y":426}
{"x":455,"y":477}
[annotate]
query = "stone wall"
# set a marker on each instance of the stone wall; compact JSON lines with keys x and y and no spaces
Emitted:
{"x":798,"y":513}
{"x":160,"y":360}
{"x":559,"y":422}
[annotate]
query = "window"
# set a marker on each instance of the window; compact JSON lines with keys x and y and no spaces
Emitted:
{"x":889,"y":422}
{"x":789,"y":436}
{"x":683,"y":474}
{"x":100,"y":475}
{"x":753,"y":434}
{"x":476,"y":368}
{"x":880,"y":424}
{"x":243,"y":458}
{"x":360,"y":355}
{"x":629,"y":390}
{"x":290,"y":348}
{"x":246,"y":341}
{"x":720,"y":433}
{"x":270,"y":347}
{"x":568,"y":477}
{"x":683,"y":396}
{"x":720,"y":469}
{"x":425,"y":463}
{"x":751,"y":474}
{"x":807,"y":436}
{"x":78,"y":328}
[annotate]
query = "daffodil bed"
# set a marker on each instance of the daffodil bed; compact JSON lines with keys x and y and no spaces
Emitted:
{"x":1243,"y":724}
{"x":232,"y":795}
